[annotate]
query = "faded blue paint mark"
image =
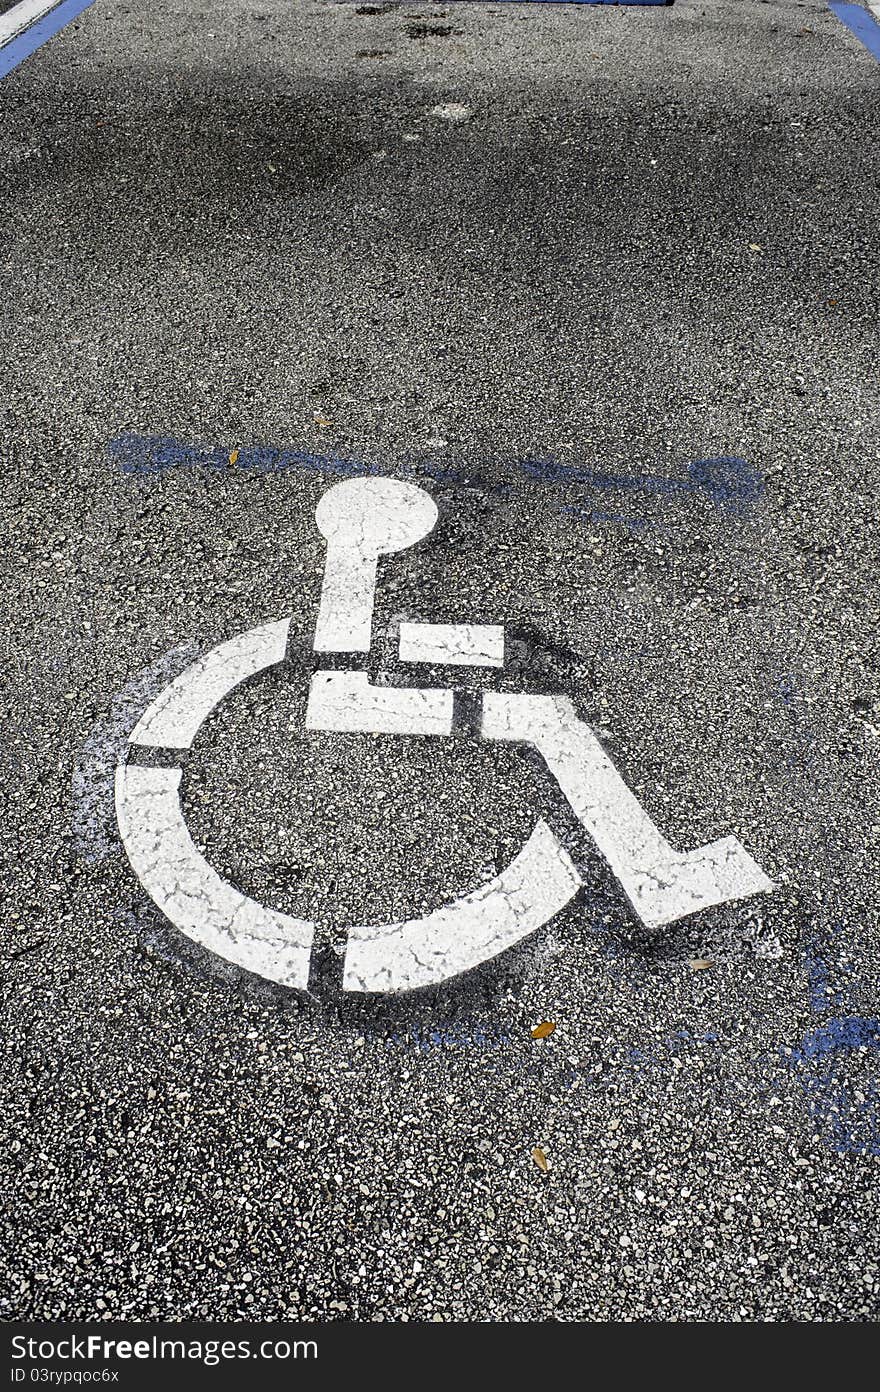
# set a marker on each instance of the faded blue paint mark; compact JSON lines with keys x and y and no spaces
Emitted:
{"x":728,"y":483}
{"x":622,"y":3}
{"x":844,"y":1034}
{"x":682,"y":1042}
{"x":848,"y":1109}
{"x":686,"y":1037}
{"x":786,"y":689}
{"x":40,"y":32}
{"x":824,"y":995}
{"x":148,"y":456}
{"x":859,"y":22}
{"x":587,"y":514}
{"x":798,"y":739}
{"x":853,"y":1122}
{"x":144,"y":455}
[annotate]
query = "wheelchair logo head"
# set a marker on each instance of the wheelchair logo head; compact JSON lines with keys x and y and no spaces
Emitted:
{"x":361,"y":520}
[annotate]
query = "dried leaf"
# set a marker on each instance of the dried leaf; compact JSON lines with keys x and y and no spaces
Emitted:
{"x":753,"y":246}
{"x":233,"y":458}
{"x":700,"y":963}
{"x":541,"y":1031}
{"x":540,"y":1159}
{"x":322,"y":420}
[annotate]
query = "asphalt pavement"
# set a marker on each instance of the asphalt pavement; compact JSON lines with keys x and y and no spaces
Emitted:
{"x":604,"y":282}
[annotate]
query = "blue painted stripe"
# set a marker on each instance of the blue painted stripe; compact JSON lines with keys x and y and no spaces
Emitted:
{"x":23,"y":45}
{"x":729,"y":483}
{"x":860,"y":23}
{"x":622,"y":3}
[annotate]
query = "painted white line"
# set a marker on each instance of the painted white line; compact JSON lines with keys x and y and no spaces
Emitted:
{"x":193,"y":896}
{"x":361,"y":520}
{"x":22,"y":16}
{"x":662,"y":884}
{"x":345,"y":702}
{"x":425,"y":951}
{"x":174,"y":718}
{"x":875,"y":10}
{"x":462,"y":645}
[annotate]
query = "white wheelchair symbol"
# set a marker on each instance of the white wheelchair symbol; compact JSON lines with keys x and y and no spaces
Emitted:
{"x":361,"y":520}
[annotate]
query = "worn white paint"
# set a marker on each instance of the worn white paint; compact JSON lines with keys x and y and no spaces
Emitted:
{"x":361,"y":520}
{"x":173,"y":719}
{"x":472,"y":929}
{"x":347,"y":703}
{"x":537,"y":884}
{"x":461,"y":645}
{"x":193,"y":896}
{"x":875,"y":10}
{"x":22,"y":16}
{"x":456,"y":112}
{"x":662,"y":884}
{"x":92,"y":782}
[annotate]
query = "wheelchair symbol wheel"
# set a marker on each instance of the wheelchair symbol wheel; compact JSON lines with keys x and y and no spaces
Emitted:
{"x":362,"y":520}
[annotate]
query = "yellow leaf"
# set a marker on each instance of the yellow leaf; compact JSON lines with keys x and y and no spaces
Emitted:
{"x":233,"y":458}
{"x":700,"y":964}
{"x":322,"y":420}
{"x":540,"y":1159}
{"x":541,"y":1031}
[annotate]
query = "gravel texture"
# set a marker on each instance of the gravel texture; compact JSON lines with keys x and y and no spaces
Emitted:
{"x":548,"y":262}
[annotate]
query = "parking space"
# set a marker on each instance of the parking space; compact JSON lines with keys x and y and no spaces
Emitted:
{"x":600,"y":287}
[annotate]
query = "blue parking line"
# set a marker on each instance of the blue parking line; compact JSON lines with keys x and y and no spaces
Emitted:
{"x":622,"y":4}
{"x":859,"y":22}
{"x":26,"y":43}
